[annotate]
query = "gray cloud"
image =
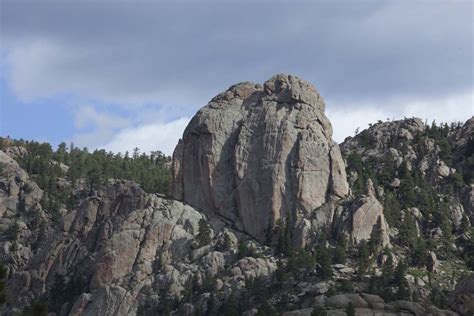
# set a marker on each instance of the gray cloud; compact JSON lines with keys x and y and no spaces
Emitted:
{"x":183,"y":53}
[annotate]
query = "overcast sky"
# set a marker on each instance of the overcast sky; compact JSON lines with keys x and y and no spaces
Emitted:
{"x":125,"y":74}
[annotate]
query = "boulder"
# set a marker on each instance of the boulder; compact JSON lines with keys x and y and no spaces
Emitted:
{"x":256,"y":154}
{"x":456,"y":212}
{"x":433,"y":263}
{"x":395,"y":183}
{"x":253,"y":268}
{"x":80,"y":306}
{"x":412,"y":307}
{"x":462,"y":299}
{"x":299,"y":312}
{"x":342,"y":300}
{"x":443,"y":170}
{"x":107,"y":301}
{"x":374,"y":301}
{"x":16,"y":151}
{"x":367,"y":215}
{"x":213,"y":262}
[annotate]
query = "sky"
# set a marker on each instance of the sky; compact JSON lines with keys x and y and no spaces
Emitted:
{"x":125,"y":74}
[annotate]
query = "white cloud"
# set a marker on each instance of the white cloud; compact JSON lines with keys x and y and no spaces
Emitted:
{"x":346,"y":121}
{"x":96,"y":128}
{"x":88,"y":115}
{"x":157,"y":136}
{"x":174,"y":55}
{"x":148,"y":130}
{"x":152,"y":130}
{"x":347,"y":118}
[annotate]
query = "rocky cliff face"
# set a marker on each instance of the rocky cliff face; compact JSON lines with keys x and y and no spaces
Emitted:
{"x":120,"y":251}
{"x":399,"y":228}
{"x":256,"y":154}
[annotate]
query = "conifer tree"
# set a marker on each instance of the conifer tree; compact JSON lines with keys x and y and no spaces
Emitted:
{"x":363,"y":260}
{"x":323,"y":261}
{"x":204,"y":235}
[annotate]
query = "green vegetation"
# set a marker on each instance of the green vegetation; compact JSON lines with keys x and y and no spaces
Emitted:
{"x":284,"y":233}
{"x":350,"y":309}
{"x":36,"y":308}
{"x":66,"y":290}
{"x":266,"y":310}
{"x":87,"y":169}
{"x":355,"y":163}
{"x":392,"y":209}
{"x":301,"y":263}
{"x":230,"y":307}
{"x":468,"y":252}
{"x":224,"y":244}
{"x":244,"y":250}
{"x":391,"y":285}
{"x":3,"y":283}
{"x":204,"y":234}
{"x":319,"y":311}
{"x":375,"y":241}
{"x":363,"y":259}
{"x":323,"y":260}
{"x":432,"y":196}
{"x":340,"y":253}
{"x":97,"y":167}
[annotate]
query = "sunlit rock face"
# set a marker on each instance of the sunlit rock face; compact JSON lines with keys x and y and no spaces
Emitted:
{"x":257,"y":153}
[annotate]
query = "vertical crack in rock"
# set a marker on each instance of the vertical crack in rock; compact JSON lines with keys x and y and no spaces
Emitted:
{"x":255,"y":154}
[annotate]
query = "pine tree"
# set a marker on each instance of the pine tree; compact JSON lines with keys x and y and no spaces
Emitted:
{"x":323,"y":261}
{"x":399,"y":274}
{"x":319,"y":311}
{"x":408,"y":230}
{"x":230,"y":308}
{"x":36,"y":308}
{"x":204,"y":235}
{"x":403,"y":291}
{"x":465,"y":224}
{"x":3,"y":283}
{"x":350,"y":309}
{"x":340,"y":253}
{"x":226,"y":243}
{"x":375,"y":240}
{"x":266,"y":309}
{"x":363,"y":260}
{"x":387,"y":270}
{"x":243,"y":250}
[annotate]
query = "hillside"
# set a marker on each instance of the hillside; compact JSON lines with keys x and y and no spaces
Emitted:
{"x":258,"y":212}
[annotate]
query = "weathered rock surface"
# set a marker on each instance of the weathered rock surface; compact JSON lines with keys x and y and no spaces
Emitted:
{"x":462,"y":299}
{"x":113,"y":241}
{"x":253,"y":268}
{"x":256,"y":154}
{"x":121,"y":251}
{"x":367,"y":216}
{"x":19,"y":210}
{"x":368,"y":304}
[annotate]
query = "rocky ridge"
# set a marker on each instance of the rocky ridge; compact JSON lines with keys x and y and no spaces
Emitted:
{"x":223,"y":248}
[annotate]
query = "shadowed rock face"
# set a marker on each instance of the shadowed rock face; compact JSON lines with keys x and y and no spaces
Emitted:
{"x":256,"y":154}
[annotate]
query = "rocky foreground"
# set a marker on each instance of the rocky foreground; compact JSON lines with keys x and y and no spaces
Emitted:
{"x":266,"y":216}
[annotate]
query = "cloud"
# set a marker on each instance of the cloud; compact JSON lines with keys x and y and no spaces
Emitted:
{"x":370,"y":60}
{"x":89,"y":116}
{"x":349,"y":117}
{"x":150,"y":137}
{"x":94,"y":128}
{"x":148,"y":132}
{"x":184,"y":52}
{"x":121,"y":132}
